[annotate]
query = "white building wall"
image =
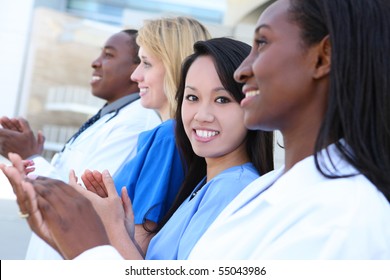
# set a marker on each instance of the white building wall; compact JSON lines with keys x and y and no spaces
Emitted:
{"x":15,"y":21}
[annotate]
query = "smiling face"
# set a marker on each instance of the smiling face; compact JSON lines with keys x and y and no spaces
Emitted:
{"x":150,"y":78}
{"x":281,"y":92}
{"x":112,"y":69}
{"x":212,"y":119}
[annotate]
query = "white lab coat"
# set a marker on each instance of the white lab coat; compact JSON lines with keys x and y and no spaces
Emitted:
{"x":302,"y":215}
{"x":104,"y":145}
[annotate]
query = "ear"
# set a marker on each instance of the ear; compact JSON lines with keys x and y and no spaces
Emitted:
{"x":324,"y":58}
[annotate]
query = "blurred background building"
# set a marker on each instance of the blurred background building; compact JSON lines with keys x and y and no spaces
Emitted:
{"x":48,"y":45}
{"x":46,"y":51}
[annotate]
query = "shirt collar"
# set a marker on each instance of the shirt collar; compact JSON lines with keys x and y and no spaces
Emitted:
{"x":305,"y":173}
{"x":118,"y":104}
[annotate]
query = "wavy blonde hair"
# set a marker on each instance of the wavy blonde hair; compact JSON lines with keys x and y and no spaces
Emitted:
{"x":172,"y":40}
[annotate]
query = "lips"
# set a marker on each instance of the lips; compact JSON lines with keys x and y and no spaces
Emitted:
{"x":95,"y":79}
{"x":143,"y":91}
{"x":252,"y":93}
{"x":249,"y":95}
{"x":206,"y":133}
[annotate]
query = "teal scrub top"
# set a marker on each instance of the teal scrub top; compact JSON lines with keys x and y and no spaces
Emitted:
{"x":153,"y":177}
{"x":178,"y":236}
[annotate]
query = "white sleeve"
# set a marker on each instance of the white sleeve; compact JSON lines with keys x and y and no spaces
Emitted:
{"x":45,"y":168}
{"x":105,"y":252}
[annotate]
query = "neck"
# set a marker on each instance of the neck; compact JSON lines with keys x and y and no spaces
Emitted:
{"x":298,"y":145}
{"x":235,"y":158}
{"x":300,"y":135}
{"x":164,"y":113}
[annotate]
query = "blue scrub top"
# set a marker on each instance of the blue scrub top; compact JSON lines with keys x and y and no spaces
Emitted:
{"x":154,"y":176}
{"x":179,"y":235}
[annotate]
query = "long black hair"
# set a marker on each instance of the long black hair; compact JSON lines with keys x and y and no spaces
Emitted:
{"x":359,"y":95}
{"x":227,"y":55}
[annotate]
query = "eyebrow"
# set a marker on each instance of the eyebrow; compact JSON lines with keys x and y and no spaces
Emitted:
{"x":214,"y":89}
{"x":108,"y":48}
{"x":262,"y":26}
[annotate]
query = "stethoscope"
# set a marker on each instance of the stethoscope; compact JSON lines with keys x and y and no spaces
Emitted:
{"x":116,"y":112}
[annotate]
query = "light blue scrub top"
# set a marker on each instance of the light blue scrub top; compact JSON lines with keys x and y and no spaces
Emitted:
{"x":154,"y":176}
{"x":178,"y":236}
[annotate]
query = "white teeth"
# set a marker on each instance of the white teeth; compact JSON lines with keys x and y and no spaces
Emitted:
{"x":252,"y":93}
{"x":143,"y":90}
{"x":96,"y":78}
{"x":206,"y":133}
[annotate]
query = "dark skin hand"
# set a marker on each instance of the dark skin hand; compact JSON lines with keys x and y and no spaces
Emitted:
{"x":16,"y":136}
{"x":26,"y":197}
{"x":71,"y":218}
{"x":11,"y":124}
{"x":58,"y":213}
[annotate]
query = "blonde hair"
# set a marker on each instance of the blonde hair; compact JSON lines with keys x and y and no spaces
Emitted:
{"x":172,"y":40}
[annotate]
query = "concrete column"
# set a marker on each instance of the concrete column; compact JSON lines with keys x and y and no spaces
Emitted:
{"x":15,"y":22}
{"x":237,"y":9}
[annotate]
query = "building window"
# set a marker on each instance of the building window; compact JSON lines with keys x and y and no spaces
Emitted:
{"x":111,"y":11}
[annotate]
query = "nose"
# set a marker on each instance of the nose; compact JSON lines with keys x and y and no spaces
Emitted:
{"x":136,"y":76}
{"x":244,"y":71}
{"x":96,"y":63}
{"x":204,"y":114}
